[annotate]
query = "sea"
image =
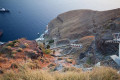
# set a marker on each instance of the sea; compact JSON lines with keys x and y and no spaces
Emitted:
{"x":27,"y":18}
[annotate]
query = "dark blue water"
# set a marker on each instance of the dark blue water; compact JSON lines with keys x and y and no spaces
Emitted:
{"x":28,"y":17}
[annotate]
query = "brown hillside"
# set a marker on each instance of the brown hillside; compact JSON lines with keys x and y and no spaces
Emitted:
{"x":78,"y":23}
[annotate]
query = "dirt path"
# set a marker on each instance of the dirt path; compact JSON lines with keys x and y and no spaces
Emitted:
{"x":62,"y":61}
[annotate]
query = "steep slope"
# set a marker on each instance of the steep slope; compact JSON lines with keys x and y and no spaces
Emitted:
{"x":79,"y":23}
{"x":23,"y":52}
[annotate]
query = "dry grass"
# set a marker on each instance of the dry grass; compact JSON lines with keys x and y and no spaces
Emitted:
{"x":72,"y":69}
{"x":71,"y":76}
{"x":104,"y":73}
{"x":35,"y":75}
{"x":24,"y":73}
{"x":27,"y":74}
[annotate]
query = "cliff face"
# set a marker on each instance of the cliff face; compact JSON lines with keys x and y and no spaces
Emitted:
{"x":80,"y":23}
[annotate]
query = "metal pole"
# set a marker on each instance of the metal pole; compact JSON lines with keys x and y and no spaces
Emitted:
{"x":119,"y":50}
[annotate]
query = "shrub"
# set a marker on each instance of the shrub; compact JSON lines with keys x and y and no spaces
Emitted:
{"x":42,"y":45}
{"x":48,"y":47}
{"x":30,"y":65}
{"x":16,"y":44}
{"x":9,"y":75}
{"x":71,"y":76}
{"x":69,"y":60}
{"x":8,"y":47}
{"x":36,"y":75}
{"x":104,"y":73}
{"x":89,"y":61}
{"x":14,"y":65}
{"x":47,"y":51}
{"x":51,"y":41}
{"x":5,"y":49}
{"x":19,"y":49}
{"x":1,"y":71}
{"x":26,"y":45}
{"x":33,"y":64}
{"x":14,"y":51}
{"x":12,"y":44}
{"x":98,"y":73}
{"x":66,"y":69}
{"x":42,"y":60}
{"x":60,"y":58}
{"x":51,"y":65}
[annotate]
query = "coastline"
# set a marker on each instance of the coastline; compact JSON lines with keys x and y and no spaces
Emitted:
{"x":41,"y":38}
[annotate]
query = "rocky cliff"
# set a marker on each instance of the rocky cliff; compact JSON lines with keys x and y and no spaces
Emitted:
{"x":76,"y":24}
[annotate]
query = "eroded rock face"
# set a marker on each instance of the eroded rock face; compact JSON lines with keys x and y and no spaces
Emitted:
{"x":80,"y":23}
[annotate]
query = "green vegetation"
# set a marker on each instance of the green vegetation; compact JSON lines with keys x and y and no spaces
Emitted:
{"x":14,"y":65}
{"x":7,"y":50}
{"x":48,"y":51}
{"x":45,"y":50}
{"x":19,"y":49}
{"x":51,"y":41}
{"x":12,"y":44}
{"x":89,"y":61}
{"x":48,"y":47}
